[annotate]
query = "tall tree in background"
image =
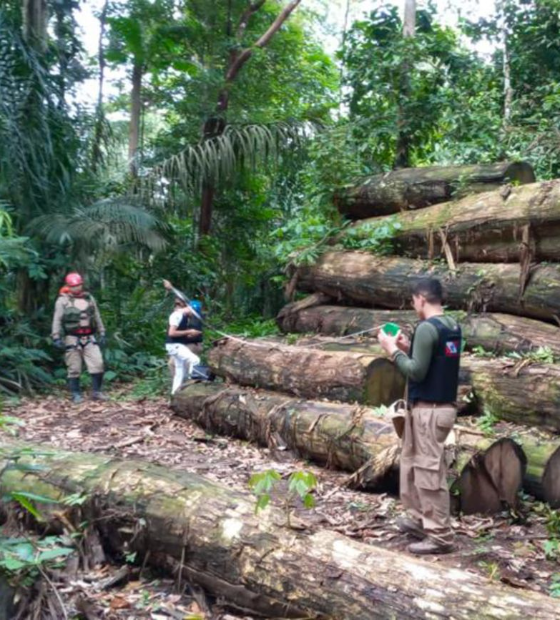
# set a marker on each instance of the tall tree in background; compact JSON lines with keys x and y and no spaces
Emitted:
{"x":238,"y":57}
{"x":402,"y":156}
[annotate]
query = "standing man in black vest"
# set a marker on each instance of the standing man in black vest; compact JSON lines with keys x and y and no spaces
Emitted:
{"x":431,"y":365}
{"x":184,"y":333}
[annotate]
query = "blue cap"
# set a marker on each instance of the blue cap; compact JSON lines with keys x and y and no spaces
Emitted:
{"x":196,"y":305}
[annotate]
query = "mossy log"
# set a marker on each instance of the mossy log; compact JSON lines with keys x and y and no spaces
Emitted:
{"x":494,"y":227}
{"x":364,"y":279}
{"x":211,"y":535}
{"x":542,"y":476}
{"x":517,"y":391}
{"x":487,"y":475}
{"x":414,"y":188}
{"x":495,"y":332}
{"x":341,"y":436}
{"x":310,"y":373}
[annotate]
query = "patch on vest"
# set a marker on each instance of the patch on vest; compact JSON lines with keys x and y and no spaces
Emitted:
{"x":452,"y":348}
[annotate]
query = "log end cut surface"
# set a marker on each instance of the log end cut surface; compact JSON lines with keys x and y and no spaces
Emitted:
{"x":492,"y":479}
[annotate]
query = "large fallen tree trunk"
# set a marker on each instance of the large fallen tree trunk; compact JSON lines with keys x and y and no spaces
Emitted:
{"x":311,"y":373}
{"x":494,"y":332}
{"x":338,"y":435}
{"x":366,"y":279}
{"x":542,"y":475}
{"x":494,"y":227}
{"x":516,"y":390}
{"x":210,"y":535}
{"x":487,"y":477}
{"x":414,"y":188}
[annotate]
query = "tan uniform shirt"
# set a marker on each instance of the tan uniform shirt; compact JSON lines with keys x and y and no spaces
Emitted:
{"x":81,"y":304}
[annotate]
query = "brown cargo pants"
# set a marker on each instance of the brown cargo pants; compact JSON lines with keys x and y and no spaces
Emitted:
{"x":80,"y":349}
{"x":423,"y":470}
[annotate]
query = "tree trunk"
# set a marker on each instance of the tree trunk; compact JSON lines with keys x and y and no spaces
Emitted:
{"x":542,"y":477}
{"x":515,"y":391}
{"x":487,"y":475}
{"x":135,"y":117}
{"x":518,"y":391}
{"x":404,"y":137}
{"x":96,"y":150}
{"x":492,"y":227}
{"x":415,"y":188}
{"x":210,"y":535}
{"x":341,"y":436}
{"x":363,"y":278}
{"x":35,"y":18}
{"x":238,"y":58}
{"x":309,"y":373}
{"x":496,"y":333}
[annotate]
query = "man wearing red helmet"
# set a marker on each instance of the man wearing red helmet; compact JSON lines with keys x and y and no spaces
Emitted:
{"x":78,"y":329}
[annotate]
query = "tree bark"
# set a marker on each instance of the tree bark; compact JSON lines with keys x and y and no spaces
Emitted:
{"x":341,"y":436}
{"x":487,"y":474}
{"x":496,"y":333}
{"x":542,"y":477}
{"x":514,"y":391}
{"x":404,"y":137}
{"x":96,"y":151}
{"x":35,"y":18}
{"x":494,"y":227}
{"x":365,"y":279}
{"x":309,"y":373}
{"x":210,"y":535}
{"x":415,"y":188}
{"x":135,"y":118}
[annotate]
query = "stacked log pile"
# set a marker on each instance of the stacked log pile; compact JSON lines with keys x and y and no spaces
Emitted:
{"x":506,"y":301}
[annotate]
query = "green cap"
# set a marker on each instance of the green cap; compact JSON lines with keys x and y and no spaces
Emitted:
{"x":391,"y":329}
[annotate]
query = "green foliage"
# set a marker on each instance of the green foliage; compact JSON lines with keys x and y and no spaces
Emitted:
{"x":542,"y":355}
{"x":300,"y":484}
{"x":554,"y":588}
{"x":25,"y":558}
{"x":487,"y":422}
{"x":376,"y":238}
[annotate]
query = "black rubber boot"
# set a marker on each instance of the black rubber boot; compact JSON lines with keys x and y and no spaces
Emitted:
{"x":97,"y":381}
{"x":74,"y":385}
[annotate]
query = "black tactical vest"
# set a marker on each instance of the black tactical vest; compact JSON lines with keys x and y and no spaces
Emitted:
{"x":442,"y":381}
{"x":186,"y":323}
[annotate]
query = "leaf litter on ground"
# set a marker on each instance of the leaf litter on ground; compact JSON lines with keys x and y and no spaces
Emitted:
{"x":501,"y":547}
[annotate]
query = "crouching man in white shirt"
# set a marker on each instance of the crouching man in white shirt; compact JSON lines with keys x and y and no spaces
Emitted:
{"x":184,"y":331}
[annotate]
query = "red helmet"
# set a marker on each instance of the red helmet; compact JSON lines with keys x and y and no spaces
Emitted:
{"x":73,"y":279}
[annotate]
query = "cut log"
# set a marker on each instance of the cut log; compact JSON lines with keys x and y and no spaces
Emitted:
{"x":494,"y":227}
{"x":341,"y":436}
{"x":365,"y":279}
{"x":488,"y":473}
{"x":516,"y":391}
{"x":310,"y":373}
{"x":487,"y":476}
{"x":494,"y":332}
{"x":414,"y":188}
{"x":542,"y":476}
{"x":210,"y":535}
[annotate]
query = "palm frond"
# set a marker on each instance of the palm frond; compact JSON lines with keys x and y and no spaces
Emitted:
{"x":221,"y":157}
{"x":108,"y":225}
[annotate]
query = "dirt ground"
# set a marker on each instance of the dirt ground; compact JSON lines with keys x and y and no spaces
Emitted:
{"x":507,"y":547}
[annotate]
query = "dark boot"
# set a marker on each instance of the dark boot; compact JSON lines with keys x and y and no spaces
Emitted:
{"x":97,"y":382}
{"x":74,"y":385}
{"x":410,"y":526}
{"x":429,"y":546}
